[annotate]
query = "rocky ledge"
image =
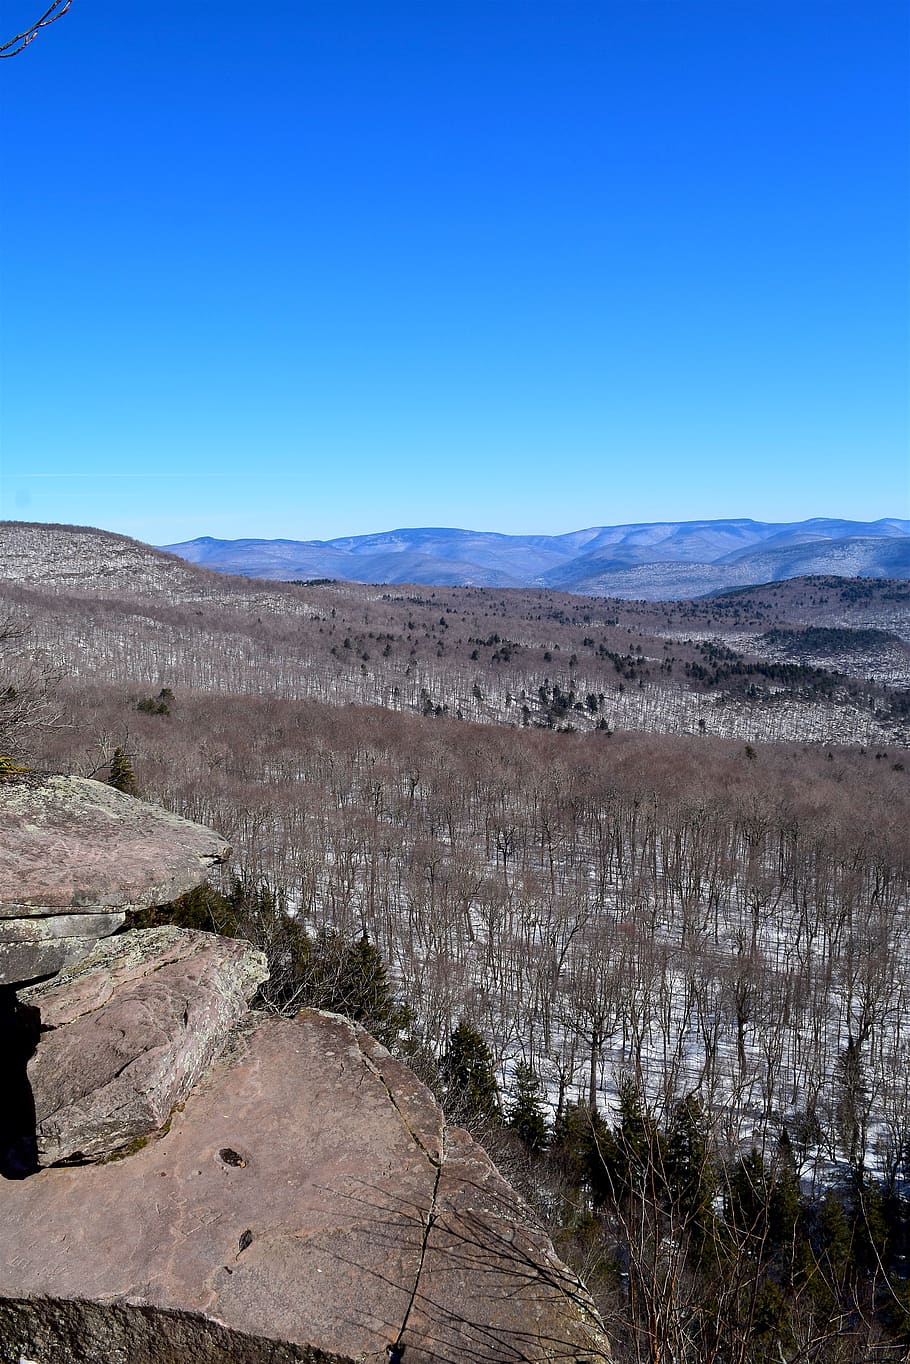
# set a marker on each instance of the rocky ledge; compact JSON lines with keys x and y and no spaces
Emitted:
{"x":221,"y":1186}
{"x":306,"y":1202}
{"x":129,"y":1030}
{"x":75,"y":855}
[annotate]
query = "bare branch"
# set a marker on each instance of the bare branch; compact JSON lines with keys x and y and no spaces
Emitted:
{"x":20,"y":42}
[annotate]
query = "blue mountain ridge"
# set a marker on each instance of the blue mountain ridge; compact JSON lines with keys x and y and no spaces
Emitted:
{"x":662,"y":559}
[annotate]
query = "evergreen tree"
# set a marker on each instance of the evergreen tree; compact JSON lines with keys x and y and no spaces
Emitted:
{"x":785,"y":1206}
{"x":585,"y":1152}
{"x":526,"y":1113}
{"x":570,"y":1144}
{"x":363,"y":992}
{"x":640,"y":1145}
{"x":121,"y":773}
{"x":870,"y":1247}
{"x":833,"y":1236}
{"x":690,"y":1170}
{"x":204,"y":909}
{"x":9,"y":767}
{"x":747,"y":1200}
{"x":325,"y":971}
{"x":471,"y":1091}
{"x":763,"y":1202}
{"x":851,"y":1104}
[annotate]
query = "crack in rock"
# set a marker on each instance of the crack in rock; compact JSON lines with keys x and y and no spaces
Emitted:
{"x":371,"y":1066}
{"x":427,"y":1228}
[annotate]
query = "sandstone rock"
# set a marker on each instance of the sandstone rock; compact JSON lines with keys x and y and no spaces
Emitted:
{"x":69,"y":845}
{"x":133,"y":1026}
{"x":52,"y":927}
{"x":33,"y":948}
{"x":307,"y":1203}
{"x":74,"y":855}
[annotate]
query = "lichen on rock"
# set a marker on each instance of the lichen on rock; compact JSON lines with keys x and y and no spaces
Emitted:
{"x":133,"y":1026}
{"x":74,"y":856}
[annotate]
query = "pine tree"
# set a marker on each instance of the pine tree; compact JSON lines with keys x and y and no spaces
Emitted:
{"x":121,"y":773}
{"x":747,"y":1201}
{"x":869,"y":1226}
{"x":584,"y":1152}
{"x":364,"y":993}
{"x":785,"y":1204}
{"x":328,"y":971}
{"x":204,"y":909}
{"x":640,"y":1144}
{"x":851,"y":1104}
{"x":471,"y":1091}
{"x":690,"y":1171}
{"x":526,"y":1113}
{"x":833,"y":1235}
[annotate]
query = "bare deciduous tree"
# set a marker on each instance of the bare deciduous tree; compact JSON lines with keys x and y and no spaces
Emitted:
{"x":28,"y":679}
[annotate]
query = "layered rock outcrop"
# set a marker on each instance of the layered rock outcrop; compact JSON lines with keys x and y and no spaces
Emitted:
{"x":308,"y":1202}
{"x":235,"y":1188}
{"x":131,"y":1028}
{"x":75,"y":855}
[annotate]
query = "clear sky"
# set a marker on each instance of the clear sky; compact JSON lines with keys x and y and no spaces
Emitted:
{"x":322,"y":267}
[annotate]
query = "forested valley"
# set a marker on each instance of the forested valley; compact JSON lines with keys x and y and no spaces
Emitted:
{"x":626,"y":883}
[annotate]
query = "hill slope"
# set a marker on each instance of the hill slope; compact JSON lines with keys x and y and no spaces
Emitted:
{"x":109,"y":609}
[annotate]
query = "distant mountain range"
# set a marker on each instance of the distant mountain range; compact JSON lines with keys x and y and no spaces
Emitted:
{"x":653,"y":561}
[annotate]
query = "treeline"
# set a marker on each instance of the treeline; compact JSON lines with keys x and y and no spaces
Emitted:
{"x":815,"y":639}
{"x":700,"y":914}
{"x":695,"y":1247}
{"x":439,"y":656}
{"x":701,"y":1252}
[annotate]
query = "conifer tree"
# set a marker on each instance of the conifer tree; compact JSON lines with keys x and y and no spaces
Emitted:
{"x":640,"y":1144}
{"x":363,"y":991}
{"x":690,"y":1171}
{"x":121,"y":773}
{"x":584,"y":1151}
{"x":324,"y":971}
{"x":526,"y":1113}
{"x":471,"y":1091}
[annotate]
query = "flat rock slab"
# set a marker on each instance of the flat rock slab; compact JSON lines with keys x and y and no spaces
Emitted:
{"x":306,"y":1204}
{"x":31,"y":949}
{"x":69,"y":845}
{"x":54,"y":927}
{"x":132,"y":1027}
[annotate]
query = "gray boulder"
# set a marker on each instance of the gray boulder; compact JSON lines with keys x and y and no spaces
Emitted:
{"x":36,"y":947}
{"x":69,"y":845}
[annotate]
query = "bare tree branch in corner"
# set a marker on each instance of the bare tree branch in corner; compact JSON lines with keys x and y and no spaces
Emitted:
{"x":20,"y":42}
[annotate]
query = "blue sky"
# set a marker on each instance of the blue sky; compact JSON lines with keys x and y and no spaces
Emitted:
{"x":321,"y":268}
